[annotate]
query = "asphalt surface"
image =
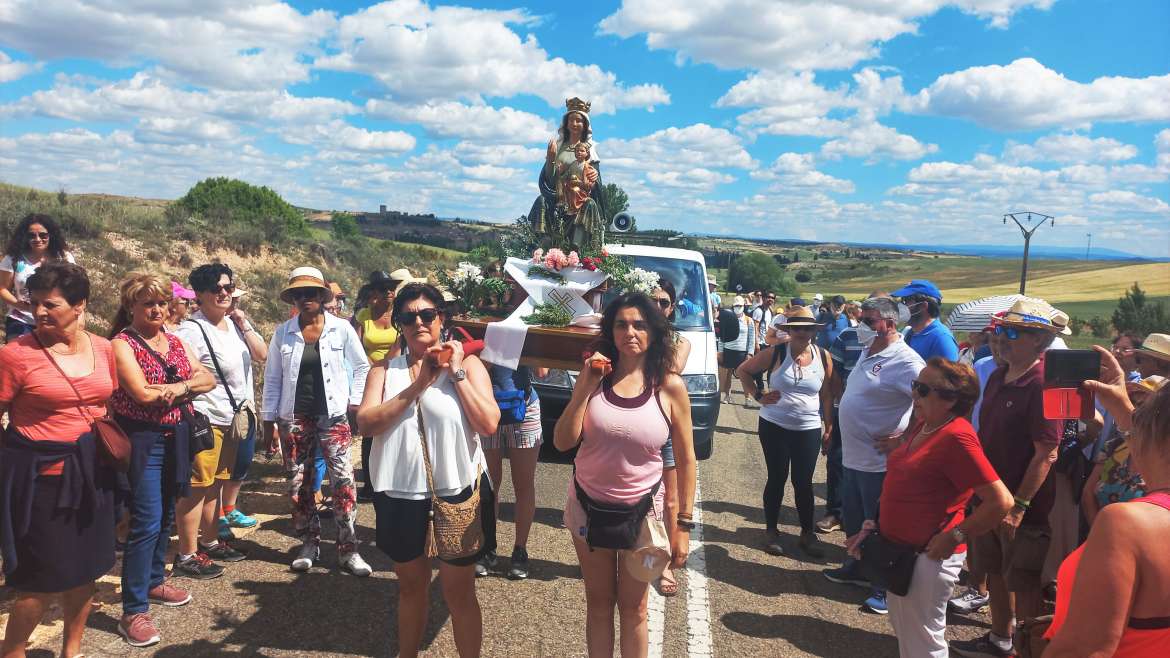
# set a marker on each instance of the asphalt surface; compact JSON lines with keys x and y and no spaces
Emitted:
{"x":735,"y":600}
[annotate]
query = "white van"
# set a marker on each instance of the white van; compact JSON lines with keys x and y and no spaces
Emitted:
{"x":688,"y":272}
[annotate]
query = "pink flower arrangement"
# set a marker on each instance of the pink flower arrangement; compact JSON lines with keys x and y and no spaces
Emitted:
{"x":555,"y":259}
{"x":574,"y":260}
{"x":537,"y":255}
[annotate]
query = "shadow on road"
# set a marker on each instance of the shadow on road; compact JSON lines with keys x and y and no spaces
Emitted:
{"x":549,"y":516}
{"x":818,"y":637}
{"x":764,"y":579}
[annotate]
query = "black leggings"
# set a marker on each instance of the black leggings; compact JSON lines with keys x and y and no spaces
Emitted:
{"x":783,"y":447}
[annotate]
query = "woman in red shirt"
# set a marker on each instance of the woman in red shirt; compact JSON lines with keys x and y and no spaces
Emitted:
{"x":54,"y":382}
{"x":929,"y":479}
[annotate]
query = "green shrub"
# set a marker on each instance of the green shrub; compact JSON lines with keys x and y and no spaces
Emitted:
{"x":758,"y":271}
{"x":237,"y":201}
{"x":804,"y":276}
{"x":344,"y":225}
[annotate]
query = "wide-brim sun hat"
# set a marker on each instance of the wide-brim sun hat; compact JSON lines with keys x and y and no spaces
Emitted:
{"x":738,"y":301}
{"x":1060,"y":320}
{"x":800,"y":316}
{"x":306,"y":277}
{"x":1031,"y":313}
{"x":1151,"y":384}
{"x":1156,"y":346}
{"x":403,"y":276}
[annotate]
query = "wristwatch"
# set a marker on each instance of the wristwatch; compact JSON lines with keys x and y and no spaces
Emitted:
{"x":459,"y":375}
{"x":959,"y":535}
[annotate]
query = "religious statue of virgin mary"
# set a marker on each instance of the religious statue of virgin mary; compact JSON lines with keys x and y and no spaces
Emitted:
{"x":569,"y":211}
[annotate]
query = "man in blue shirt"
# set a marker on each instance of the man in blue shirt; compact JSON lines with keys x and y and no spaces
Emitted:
{"x":926,"y":334}
{"x":833,"y":321}
{"x":844,"y":350}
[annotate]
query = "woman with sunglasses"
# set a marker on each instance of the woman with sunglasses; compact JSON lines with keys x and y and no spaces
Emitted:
{"x":796,"y":416}
{"x":36,"y":240}
{"x":930,"y":478}
{"x":379,"y":338}
{"x":430,"y":393}
{"x":235,"y":344}
{"x":157,"y":376}
{"x":307,"y":389}
{"x":664,"y":295}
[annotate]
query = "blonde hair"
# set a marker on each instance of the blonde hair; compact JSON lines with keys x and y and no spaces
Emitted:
{"x":1151,"y":422}
{"x":136,"y":286}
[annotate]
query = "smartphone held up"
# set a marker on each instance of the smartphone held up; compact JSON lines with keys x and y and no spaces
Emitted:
{"x":1065,"y":372}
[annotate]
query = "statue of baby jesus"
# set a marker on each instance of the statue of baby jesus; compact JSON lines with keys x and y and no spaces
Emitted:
{"x":574,"y":177}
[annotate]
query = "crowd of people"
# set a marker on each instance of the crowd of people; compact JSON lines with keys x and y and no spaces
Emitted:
{"x":941,"y":465}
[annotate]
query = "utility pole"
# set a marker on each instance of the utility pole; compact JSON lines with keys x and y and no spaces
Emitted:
{"x":1033,"y":221}
{"x":1089,"y":245}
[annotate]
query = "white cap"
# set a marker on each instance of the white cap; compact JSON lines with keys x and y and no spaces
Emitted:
{"x":819,"y":297}
{"x":738,"y":301}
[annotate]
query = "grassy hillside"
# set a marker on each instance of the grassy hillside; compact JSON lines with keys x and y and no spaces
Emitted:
{"x":112,"y":236}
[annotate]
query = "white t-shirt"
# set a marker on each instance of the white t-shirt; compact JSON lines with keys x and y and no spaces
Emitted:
{"x":234,"y":359}
{"x":799,"y":406}
{"x":763,"y":320}
{"x":778,"y":320}
{"x":876,"y":404}
{"x":21,"y":271}
{"x":396,"y":457}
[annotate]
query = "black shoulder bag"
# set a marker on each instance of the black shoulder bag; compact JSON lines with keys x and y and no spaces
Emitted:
{"x":198,"y":424}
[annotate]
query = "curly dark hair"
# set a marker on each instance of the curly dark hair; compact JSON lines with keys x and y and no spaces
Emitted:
{"x":661,"y":348}
{"x":70,"y":279}
{"x":18,"y":241}
{"x":206,"y":277}
{"x":586,"y":132}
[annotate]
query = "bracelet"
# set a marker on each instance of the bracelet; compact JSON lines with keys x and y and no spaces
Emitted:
{"x":1022,"y":503}
{"x":684,"y":515}
{"x":186,"y":388}
{"x":685,"y":524}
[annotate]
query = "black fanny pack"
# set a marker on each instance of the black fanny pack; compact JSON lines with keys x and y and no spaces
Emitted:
{"x":612,"y":525}
{"x":887,"y":564}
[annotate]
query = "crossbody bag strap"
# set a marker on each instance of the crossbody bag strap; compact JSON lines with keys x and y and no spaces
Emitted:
{"x":157,"y":357}
{"x":77,"y":393}
{"x":422,"y":437}
{"x":218,"y":370}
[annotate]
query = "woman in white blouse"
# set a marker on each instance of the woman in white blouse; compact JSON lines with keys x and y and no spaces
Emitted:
{"x":432,"y":385}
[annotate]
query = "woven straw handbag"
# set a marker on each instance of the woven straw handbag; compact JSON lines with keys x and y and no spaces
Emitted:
{"x":454,"y":530}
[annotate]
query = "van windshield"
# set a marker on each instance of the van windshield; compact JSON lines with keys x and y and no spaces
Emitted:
{"x":692,"y":308}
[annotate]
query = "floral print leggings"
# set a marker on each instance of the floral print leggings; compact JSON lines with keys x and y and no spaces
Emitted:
{"x":335,"y":438}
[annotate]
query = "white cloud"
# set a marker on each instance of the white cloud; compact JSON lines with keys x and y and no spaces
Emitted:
{"x":345,"y":138}
{"x":11,"y":69}
{"x":1071,"y":147}
{"x":798,"y":170}
{"x":480,"y":123}
{"x":786,"y":34}
{"x":677,"y":149}
{"x":1026,"y":95}
{"x":873,"y":141}
{"x":235,"y":44}
{"x":425,"y":54}
{"x":1129,"y":200}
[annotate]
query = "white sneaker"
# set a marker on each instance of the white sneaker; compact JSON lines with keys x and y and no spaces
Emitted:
{"x":310,"y":552}
{"x":969,"y":601}
{"x":354,"y":564}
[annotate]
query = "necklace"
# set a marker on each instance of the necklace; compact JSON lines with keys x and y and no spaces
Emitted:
{"x":68,"y":353}
{"x":932,"y":430}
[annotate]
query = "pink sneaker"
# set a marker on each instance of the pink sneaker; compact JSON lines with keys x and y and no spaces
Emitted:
{"x":169,"y":595}
{"x":139,"y":630}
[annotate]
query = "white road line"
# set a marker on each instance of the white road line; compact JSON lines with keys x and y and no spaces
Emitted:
{"x":656,"y":621}
{"x":699,"y":642}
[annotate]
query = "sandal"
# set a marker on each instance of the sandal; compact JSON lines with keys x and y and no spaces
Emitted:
{"x":667,"y":584}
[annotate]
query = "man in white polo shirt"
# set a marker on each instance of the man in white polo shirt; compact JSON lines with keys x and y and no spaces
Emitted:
{"x":874,"y":412}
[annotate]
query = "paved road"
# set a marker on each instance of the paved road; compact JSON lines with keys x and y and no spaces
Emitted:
{"x":735,"y":601}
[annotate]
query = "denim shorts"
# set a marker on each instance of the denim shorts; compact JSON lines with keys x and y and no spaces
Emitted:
{"x":668,"y":454}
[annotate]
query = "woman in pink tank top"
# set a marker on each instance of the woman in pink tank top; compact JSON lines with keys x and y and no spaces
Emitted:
{"x":1111,"y":593}
{"x":626,"y":403}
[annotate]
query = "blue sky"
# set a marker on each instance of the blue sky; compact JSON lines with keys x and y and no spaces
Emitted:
{"x":915,"y":122}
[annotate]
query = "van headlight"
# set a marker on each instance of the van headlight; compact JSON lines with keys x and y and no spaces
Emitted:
{"x":701,"y":384}
{"x":556,"y":378}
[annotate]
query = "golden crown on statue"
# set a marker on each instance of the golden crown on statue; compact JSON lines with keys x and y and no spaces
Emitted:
{"x":577,"y":105}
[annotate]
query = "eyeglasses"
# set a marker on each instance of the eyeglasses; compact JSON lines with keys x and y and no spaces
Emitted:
{"x":923,"y":390}
{"x":218,"y":289}
{"x":427,"y":315}
{"x":305,"y":293}
{"x":1012,"y":333}
{"x":805,"y":329}
{"x":38,"y":236}
{"x":870,"y":322}
{"x":663,"y":302}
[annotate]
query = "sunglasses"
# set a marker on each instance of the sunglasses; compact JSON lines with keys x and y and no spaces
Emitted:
{"x":663,"y":302}
{"x":1012,"y":333}
{"x":218,"y":289}
{"x":305,"y":293}
{"x":806,"y":329}
{"x":924,"y":390}
{"x":870,"y":322}
{"x":427,"y":315}
{"x":38,"y":236}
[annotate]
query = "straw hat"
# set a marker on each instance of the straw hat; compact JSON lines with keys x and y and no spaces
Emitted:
{"x":1032,"y":313}
{"x":737,"y":301}
{"x":1157,"y":346}
{"x":1151,"y":384}
{"x":403,"y":276}
{"x":305,"y":277}
{"x":801,"y":316}
{"x":1060,"y":320}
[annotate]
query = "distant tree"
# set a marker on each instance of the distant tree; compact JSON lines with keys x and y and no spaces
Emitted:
{"x":615,"y":200}
{"x":758,"y":271}
{"x":1136,"y":313}
{"x":227,"y":198}
{"x":485,"y":253}
{"x":804,"y":276}
{"x":62,"y":196}
{"x":1099,"y":326}
{"x":344,"y":225}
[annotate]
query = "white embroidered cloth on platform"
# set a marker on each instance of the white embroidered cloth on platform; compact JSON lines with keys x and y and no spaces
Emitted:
{"x":504,"y":340}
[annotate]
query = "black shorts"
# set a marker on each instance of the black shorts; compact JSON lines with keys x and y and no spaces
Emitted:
{"x":401,"y":524}
{"x":732,"y":358}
